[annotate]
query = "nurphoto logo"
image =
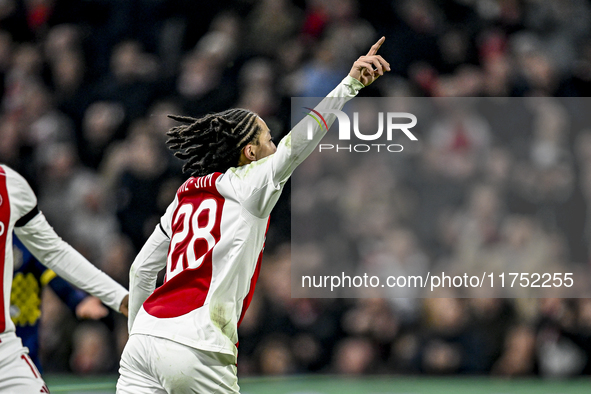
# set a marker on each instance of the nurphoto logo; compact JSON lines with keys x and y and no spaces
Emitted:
{"x":393,"y":125}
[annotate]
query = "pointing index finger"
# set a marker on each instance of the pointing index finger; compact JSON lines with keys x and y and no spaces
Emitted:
{"x":374,"y":49}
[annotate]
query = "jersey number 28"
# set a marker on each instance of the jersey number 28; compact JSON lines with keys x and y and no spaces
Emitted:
{"x":197,"y":226}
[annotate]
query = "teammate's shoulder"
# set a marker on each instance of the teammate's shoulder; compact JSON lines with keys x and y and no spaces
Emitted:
{"x":6,"y":170}
{"x":12,"y":175}
{"x":20,"y":192}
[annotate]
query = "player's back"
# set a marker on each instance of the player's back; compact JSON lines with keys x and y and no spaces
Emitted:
{"x":212,"y":265}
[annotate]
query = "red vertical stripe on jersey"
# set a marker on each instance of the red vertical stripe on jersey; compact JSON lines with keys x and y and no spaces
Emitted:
{"x":4,"y":222}
{"x":253,"y":281}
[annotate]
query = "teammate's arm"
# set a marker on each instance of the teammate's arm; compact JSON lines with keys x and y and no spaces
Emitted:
{"x":40,"y":238}
{"x":69,"y":295}
{"x":295,"y":147}
{"x":83,"y":305}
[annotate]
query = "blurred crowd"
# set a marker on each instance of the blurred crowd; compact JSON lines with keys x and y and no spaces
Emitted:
{"x":85,"y":89}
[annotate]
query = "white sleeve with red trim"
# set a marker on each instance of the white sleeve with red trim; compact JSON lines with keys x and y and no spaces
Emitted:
{"x":42,"y":241}
{"x":148,"y":263}
{"x":263,"y":180}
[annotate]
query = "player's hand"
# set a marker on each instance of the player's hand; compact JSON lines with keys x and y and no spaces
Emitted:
{"x":124,"y":306}
{"x":370,"y":67}
{"x":91,"y":308}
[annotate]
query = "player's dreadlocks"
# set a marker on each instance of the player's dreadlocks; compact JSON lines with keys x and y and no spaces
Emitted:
{"x":213,"y":143}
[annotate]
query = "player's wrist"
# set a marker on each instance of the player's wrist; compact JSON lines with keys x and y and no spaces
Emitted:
{"x":354,"y":83}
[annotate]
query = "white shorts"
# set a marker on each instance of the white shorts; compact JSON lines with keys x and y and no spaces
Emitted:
{"x":18,"y":374}
{"x":152,"y":365}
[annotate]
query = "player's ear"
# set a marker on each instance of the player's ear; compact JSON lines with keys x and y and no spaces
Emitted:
{"x":249,"y":152}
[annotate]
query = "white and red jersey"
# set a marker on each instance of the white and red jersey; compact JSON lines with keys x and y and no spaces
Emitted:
{"x":18,"y":212}
{"x":211,"y":241}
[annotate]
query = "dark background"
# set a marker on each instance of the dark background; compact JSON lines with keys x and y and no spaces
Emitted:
{"x":85,"y":87}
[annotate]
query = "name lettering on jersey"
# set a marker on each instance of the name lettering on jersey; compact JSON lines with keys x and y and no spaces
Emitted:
{"x":197,"y":183}
{"x":204,"y":181}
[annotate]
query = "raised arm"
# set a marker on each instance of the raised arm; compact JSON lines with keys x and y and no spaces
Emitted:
{"x":296,"y":146}
{"x":271,"y":173}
